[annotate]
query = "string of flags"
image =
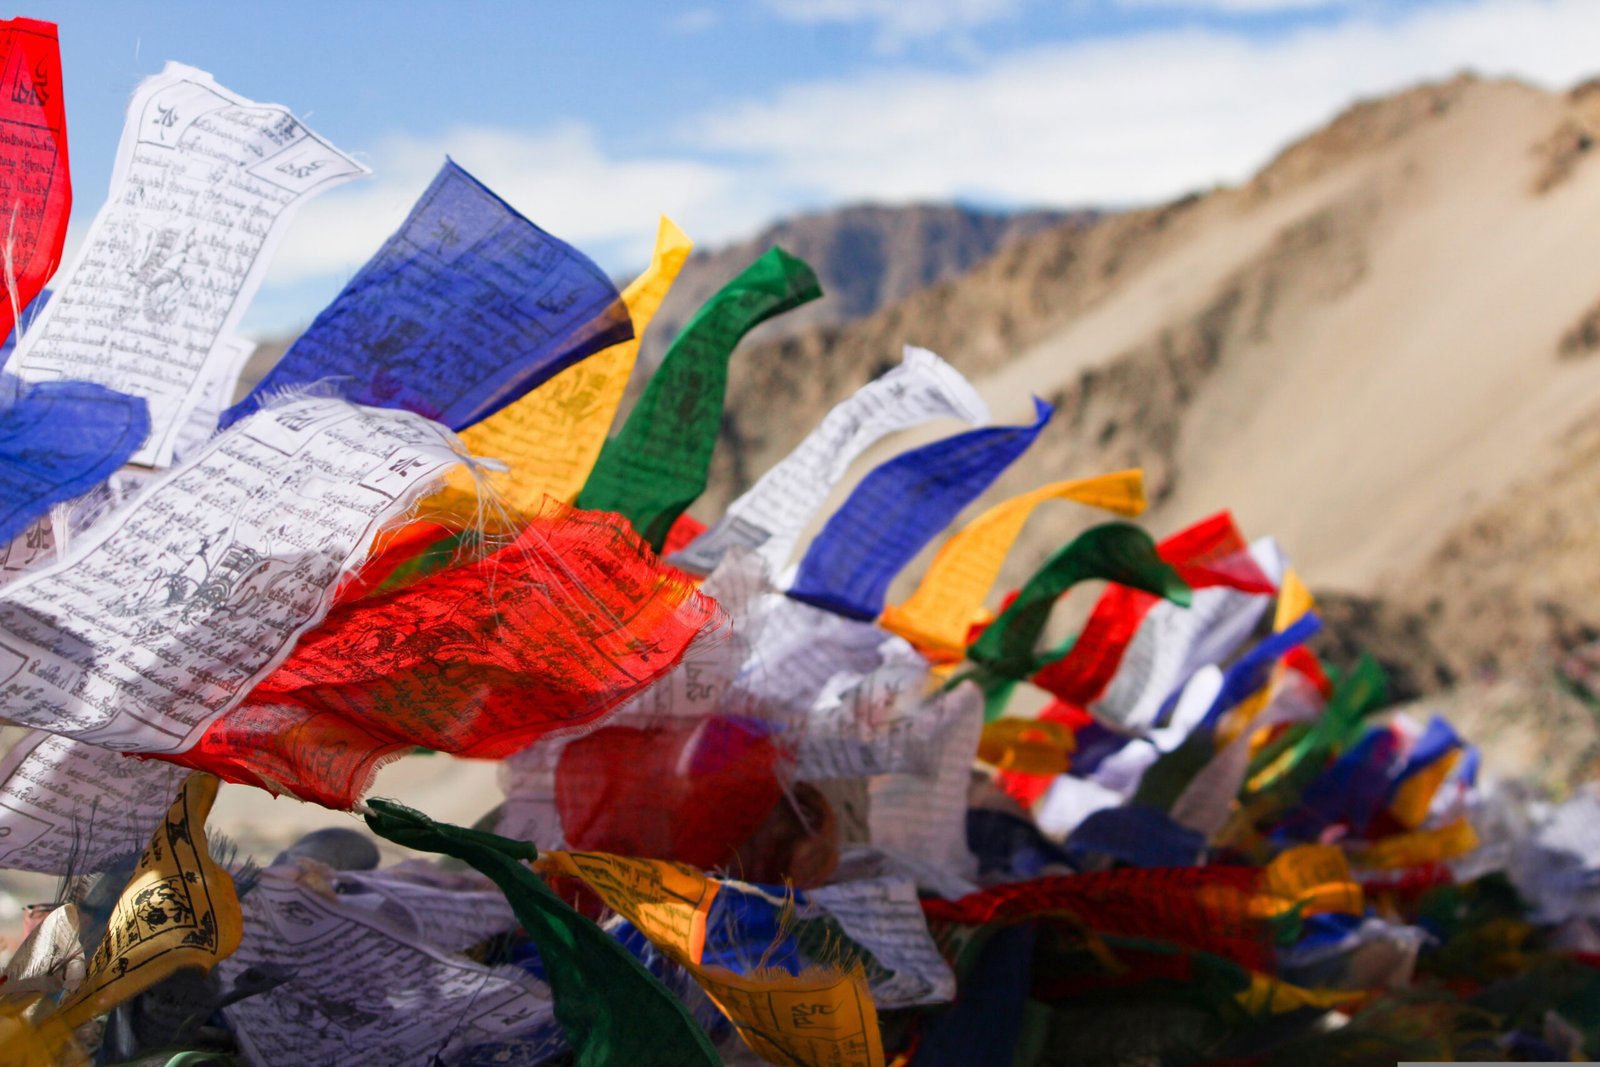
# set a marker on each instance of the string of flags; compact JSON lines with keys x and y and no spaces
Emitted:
{"x":751,"y":810}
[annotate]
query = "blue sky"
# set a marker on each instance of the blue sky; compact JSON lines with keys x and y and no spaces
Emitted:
{"x":594,"y":117}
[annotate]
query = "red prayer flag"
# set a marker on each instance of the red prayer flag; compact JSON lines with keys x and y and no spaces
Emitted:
{"x":1212,"y":552}
{"x":545,"y":635}
{"x":1204,"y":908}
{"x":35,"y":183}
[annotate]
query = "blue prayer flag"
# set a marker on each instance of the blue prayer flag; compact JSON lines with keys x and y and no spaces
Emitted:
{"x":898,"y":508}
{"x":1249,"y":672}
{"x":463,"y":310}
{"x":58,"y":440}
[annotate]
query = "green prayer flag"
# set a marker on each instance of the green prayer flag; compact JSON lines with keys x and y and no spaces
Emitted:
{"x":653,"y":469}
{"x":1114,"y":551}
{"x":611,"y":1009}
{"x":1362,"y":690}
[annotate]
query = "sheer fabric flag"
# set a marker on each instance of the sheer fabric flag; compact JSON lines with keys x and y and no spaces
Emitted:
{"x":58,"y":440}
{"x":68,"y":806}
{"x":463,"y":310}
{"x":1203,"y":908}
{"x":612,"y":1009}
{"x":482,"y":659}
{"x":657,"y":465}
{"x":949,"y":599}
{"x":898,"y":508}
{"x":179,"y":910}
{"x":552,"y":436}
{"x":205,"y":183}
{"x":398,"y":994}
{"x":1115,"y":552}
{"x":772,"y":515}
{"x":822,"y":1016}
{"x":36,"y":181}
{"x":168,"y":612}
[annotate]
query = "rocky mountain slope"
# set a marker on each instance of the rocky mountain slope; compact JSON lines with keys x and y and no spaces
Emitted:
{"x":867,"y":256}
{"x":1381,"y":349}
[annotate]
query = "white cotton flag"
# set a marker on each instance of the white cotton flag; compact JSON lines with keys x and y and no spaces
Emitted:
{"x":204,"y":185}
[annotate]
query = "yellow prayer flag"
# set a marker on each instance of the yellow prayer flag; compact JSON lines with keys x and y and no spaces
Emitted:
{"x":179,"y":910}
{"x":1415,"y":795}
{"x":552,"y":436}
{"x":820,"y":1017}
{"x":1027,"y":746}
{"x":1294,"y":600}
{"x":668,"y":902}
{"x":1269,"y":996}
{"x":30,"y":1037}
{"x":1314,"y":878}
{"x":1420,"y":847}
{"x":950,"y":597}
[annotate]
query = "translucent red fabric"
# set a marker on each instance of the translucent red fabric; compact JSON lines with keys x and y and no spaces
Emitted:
{"x":35,"y":184}
{"x":1202,"y":908}
{"x":481,"y":659}
{"x":1212,"y":552}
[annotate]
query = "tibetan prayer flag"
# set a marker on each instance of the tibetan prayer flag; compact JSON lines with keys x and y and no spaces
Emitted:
{"x":1203,"y":908}
{"x":1114,"y":551}
{"x":1136,"y":650}
{"x":1429,"y":762}
{"x":35,"y":179}
{"x":546,"y":634}
{"x":167,"y":613}
{"x":1251,"y":672}
{"x":58,"y":440}
{"x":1286,"y":766}
{"x":179,"y":910}
{"x":553,"y":435}
{"x":1348,"y":793}
{"x":692,"y":791}
{"x":898,"y":508}
{"x":772,"y":516}
{"x":204,"y":185}
{"x":939,"y":615}
{"x":821,"y":1016}
{"x":657,"y":465}
{"x":463,"y":310}
{"x":612,"y":1009}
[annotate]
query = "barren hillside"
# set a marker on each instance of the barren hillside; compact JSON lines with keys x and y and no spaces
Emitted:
{"x":1382,"y":349}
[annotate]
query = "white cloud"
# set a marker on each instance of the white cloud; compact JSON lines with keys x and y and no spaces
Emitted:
{"x":1106,"y":122}
{"x":1233,"y":7}
{"x":696,"y":20}
{"x":559,"y":177}
{"x":898,"y":21}
{"x":1127,"y":119}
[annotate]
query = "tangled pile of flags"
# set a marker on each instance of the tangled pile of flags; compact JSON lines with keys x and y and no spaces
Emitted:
{"x":753,"y":811}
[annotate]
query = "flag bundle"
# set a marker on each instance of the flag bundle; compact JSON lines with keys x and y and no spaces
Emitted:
{"x":753,"y":805}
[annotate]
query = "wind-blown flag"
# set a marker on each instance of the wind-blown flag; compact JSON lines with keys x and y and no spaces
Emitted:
{"x":171,"y":609}
{"x":772,"y":515}
{"x":612,"y":1009}
{"x":898,"y":508}
{"x":36,"y":182}
{"x":823,"y":1015}
{"x":1136,"y":650}
{"x":179,"y":910}
{"x":1114,"y":551}
{"x":942,"y":610}
{"x":546,"y":634}
{"x":463,"y":310}
{"x":657,"y":465}
{"x":203,"y":188}
{"x":552,"y":436}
